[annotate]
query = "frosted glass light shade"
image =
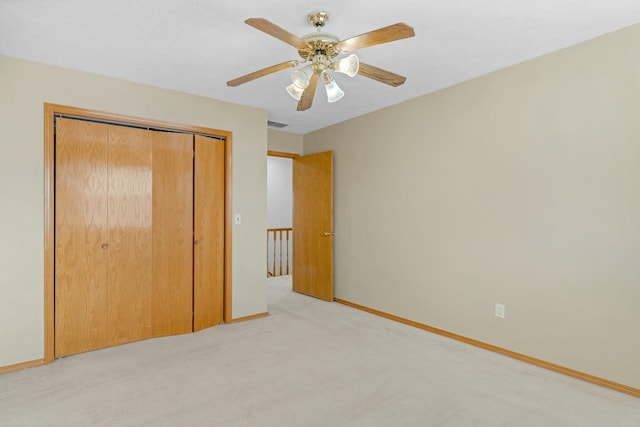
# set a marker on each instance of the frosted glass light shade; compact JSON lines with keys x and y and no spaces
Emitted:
{"x":349,"y":65}
{"x":301,"y":77}
{"x":300,"y":81}
{"x":334,"y":93}
{"x":295,"y":91}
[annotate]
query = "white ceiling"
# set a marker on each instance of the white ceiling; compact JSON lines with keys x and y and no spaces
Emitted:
{"x":196,"y":46}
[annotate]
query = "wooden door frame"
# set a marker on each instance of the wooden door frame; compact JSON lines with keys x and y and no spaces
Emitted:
{"x":282,"y":154}
{"x":50,"y":110}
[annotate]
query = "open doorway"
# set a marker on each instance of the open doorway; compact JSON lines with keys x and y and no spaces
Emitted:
{"x":279,"y":215}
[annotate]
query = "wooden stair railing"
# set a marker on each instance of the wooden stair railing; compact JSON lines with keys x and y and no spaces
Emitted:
{"x":278,"y":251}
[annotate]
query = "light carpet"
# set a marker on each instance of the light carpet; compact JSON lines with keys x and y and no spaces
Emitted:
{"x":310,"y":363}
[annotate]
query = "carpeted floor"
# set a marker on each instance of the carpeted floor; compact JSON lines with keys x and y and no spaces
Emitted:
{"x":310,"y":363}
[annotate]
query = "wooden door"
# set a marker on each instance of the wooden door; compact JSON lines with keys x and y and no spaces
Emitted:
{"x":208,"y":243}
{"x":81,"y":232}
{"x":129,"y":267}
{"x":172,"y":289}
{"x":313,"y":225}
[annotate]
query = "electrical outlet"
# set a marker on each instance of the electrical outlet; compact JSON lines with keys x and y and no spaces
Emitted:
{"x":500,"y":310}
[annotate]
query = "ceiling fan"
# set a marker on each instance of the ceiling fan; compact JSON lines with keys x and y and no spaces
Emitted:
{"x":320,"y":52}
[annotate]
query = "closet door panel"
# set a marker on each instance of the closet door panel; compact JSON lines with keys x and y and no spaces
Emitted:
{"x":130,"y":235}
{"x":80,"y":232}
{"x":208,"y":249}
{"x":172,"y":291}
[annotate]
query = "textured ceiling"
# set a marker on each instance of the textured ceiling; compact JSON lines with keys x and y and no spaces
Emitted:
{"x":195,"y":46}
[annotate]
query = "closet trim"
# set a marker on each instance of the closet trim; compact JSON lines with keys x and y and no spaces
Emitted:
{"x":53,"y":110}
{"x":145,"y":126}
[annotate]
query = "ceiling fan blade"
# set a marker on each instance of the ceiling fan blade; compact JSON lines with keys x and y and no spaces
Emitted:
{"x":261,"y":73}
{"x":381,"y":35}
{"x":277,"y":32}
{"x":307,"y":96}
{"x":383,"y":76}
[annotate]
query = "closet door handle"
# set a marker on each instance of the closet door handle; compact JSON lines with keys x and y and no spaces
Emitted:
{"x":104,"y":246}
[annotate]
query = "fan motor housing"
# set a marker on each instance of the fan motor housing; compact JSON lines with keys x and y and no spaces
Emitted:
{"x":319,"y":43}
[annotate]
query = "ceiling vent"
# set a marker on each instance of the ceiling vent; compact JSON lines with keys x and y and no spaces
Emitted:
{"x":276,"y":125}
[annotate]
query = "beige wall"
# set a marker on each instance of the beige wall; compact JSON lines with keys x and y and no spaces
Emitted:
{"x":521,"y":187}
{"x":285,"y":142}
{"x":24,"y":88}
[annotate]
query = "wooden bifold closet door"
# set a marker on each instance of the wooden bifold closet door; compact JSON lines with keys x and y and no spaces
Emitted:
{"x":208,"y":250}
{"x":124,"y":230}
{"x":172,"y":293}
{"x":81,"y":237}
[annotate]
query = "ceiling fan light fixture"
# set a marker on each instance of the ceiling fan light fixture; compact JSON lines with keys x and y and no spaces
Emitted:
{"x":334,"y":93}
{"x":349,"y":65}
{"x":319,"y":52}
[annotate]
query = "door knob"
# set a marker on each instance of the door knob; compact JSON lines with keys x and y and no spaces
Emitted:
{"x":327,"y":233}
{"x":104,"y":246}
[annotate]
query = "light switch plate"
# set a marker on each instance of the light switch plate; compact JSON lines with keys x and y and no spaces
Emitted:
{"x":237,"y":219}
{"x":500,"y":310}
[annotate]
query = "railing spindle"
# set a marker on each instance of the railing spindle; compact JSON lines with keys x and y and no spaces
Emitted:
{"x":280,"y":257}
{"x":287,"y":234}
{"x":274,"y":253}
